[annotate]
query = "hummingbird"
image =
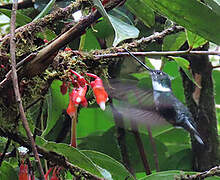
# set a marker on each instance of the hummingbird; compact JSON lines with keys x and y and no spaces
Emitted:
{"x":167,"y":105}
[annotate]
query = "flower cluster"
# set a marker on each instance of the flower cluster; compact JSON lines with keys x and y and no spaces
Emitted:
{"x":78,"y":93}
{"x":24,"y":174}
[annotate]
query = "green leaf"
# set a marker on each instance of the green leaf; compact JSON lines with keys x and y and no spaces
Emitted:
{"x":216,"y":75}
{"x":73,"y":155}
{"x":45,"y":10}
{"x":56,"y":103}
{"x":174,"y":41}
{"x":174,"y":139}
{"x":191,"y":14}
{"x":214,"y":5}
{"x":194,"y":40}
{"x":104,"y":29}
{"x":181,"y":160}
{"x":97,"y":142}
{"x":122,"y":30}
{"x":7,"y":172}
{"x":184,"y":64}
{"x":142,"y":11}
{"x":91,"y":42}
{"x":21,"y":19}
{"x":172,"y":69}
{"x":117,"y":170}
{"x":93,"y":120}
{"x":46,"y":34}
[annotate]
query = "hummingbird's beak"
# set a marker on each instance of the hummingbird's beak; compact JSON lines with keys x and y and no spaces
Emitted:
{"x":138,"y":60}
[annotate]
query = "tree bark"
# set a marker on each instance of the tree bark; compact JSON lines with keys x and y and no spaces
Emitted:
{"x":201,"y":103}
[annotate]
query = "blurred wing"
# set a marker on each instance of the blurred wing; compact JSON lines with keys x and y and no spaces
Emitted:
{"x":128,"y":90}
{"x":144,"y":117}
{"x":134,"y":103}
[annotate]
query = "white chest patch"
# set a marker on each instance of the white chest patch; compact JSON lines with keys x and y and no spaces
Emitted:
{"x":158,"y":87}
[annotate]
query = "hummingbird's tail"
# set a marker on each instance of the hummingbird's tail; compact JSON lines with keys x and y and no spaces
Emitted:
{"x":189,"y":127}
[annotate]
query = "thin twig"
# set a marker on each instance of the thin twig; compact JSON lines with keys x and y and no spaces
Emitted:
{"x":155,"y":53}
{"x":214,"y":67}
{"x":140,"y":147}
{"x":16,"y":88}
{"x":212,"y":172}
{"x":5,"y":151}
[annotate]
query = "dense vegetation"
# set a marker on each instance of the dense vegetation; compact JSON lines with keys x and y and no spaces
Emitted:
{"x":55,"y":47}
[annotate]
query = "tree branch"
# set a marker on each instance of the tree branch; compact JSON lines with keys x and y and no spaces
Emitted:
{"x":212,"y":172}
{"x":16,"y":88}
{"x":154,"y":53}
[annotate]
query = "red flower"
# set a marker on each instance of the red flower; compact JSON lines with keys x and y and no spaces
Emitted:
{"x":72,"y":107}
{"x":99,"y":91}
{"x":23,"y":171}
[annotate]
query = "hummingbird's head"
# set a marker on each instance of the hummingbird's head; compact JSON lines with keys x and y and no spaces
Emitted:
{"x":161,"y":81}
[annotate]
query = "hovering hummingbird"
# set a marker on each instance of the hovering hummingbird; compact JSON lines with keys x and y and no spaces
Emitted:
{"x":166,"y":104}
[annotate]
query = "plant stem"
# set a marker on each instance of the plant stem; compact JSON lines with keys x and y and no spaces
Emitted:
{"x":16,"y":88}
{"x":73,"y":131}
{"x":140,"y":147}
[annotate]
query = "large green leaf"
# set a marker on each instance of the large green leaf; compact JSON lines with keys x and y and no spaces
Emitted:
{"x":194,"y":40}
{"x":122,"y":30}
{"x":174,"y":41}
{"x":56,"y":103}
{"x":184,"y":64}
{"x":73,"y":155}
{"x":21,"y":19}
{"x":174,"y":139}
{"x":192,"y":15}
{"x":142,"y":11}
{"x":117,"y":170}
{"x":181,"y":160}
{"x":7,"y":172}
{"x":91,"y":120}
{"x":214,"y":4}
{"x":105,"y":142}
